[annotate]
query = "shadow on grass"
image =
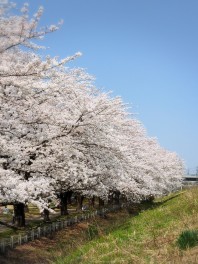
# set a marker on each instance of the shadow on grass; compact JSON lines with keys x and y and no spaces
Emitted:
{"x":135,"y":209}
{"x":156,"y":204}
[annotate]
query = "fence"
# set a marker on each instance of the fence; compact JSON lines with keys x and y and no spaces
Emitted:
{"x":43,"y":231}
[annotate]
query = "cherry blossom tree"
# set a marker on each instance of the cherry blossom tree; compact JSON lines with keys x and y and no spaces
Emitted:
{"x":18,"y":69}
{"x":59,"y":133}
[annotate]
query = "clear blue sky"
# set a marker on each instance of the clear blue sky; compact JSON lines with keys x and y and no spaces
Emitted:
{"x":144,"y":51}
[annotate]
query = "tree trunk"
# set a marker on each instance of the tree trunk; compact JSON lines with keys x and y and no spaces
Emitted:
{"x":79,"y":202}
{"x":101,"y":203}
{"x":110,"y":198}
{"x":69,"y":196}
{"x":116,"y":197}
{"x":63,"y":203}
{"x":19,"y":214}
{"x":92,"y":202}
{"x":46,"y":215}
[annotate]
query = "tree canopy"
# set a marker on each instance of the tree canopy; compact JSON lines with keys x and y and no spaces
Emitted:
{"x":59,"y":132}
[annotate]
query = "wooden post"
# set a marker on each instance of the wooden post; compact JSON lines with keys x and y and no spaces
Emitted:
{"x":50,"y":228}
{"x":44,"y":230}
{"x":26,"y":238}
{"x":39,"y":232}
{"x":12,"y":242}
{"x":103,"y":212}
{"x":76,"y":219}
{"x":3,"y":246}
{"x":32,"y":234}
{"x":19,"y":239}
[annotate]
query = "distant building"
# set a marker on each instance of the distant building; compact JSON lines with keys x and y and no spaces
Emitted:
{"x":190,"y":180}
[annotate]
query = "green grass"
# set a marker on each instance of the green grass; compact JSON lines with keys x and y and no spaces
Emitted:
{"x":149,"y":237}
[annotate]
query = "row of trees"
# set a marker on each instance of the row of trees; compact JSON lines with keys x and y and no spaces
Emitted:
{"x":59,"y":133}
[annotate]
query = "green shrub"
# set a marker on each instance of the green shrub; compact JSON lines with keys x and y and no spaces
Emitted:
{"x":187,"y":239}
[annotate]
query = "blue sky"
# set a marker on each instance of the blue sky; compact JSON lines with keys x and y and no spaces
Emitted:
{"x":146,"y":51}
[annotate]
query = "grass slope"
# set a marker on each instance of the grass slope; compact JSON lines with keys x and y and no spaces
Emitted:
{"x":149,"y":237}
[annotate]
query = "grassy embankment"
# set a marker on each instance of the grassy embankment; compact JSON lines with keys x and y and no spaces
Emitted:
{"x":149,"y":237}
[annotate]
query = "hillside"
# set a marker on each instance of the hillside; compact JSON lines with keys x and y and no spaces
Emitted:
{"x":149,"y":237}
